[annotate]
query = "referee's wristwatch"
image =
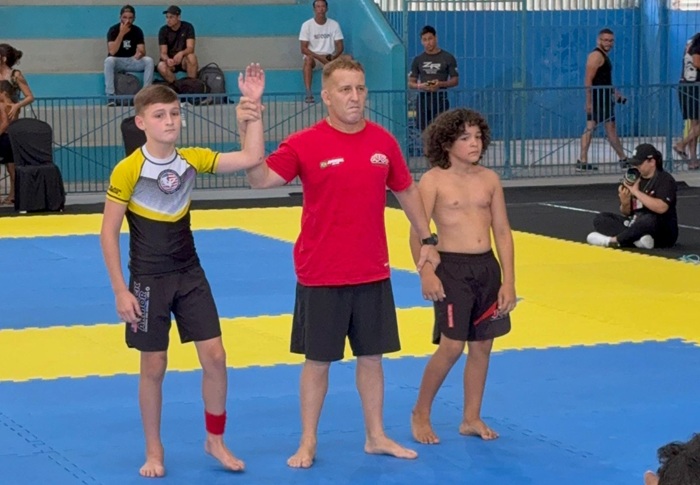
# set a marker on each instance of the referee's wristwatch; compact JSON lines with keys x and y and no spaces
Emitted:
{"x":430,"y":241}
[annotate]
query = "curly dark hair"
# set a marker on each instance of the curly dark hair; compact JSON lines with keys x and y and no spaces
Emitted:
{"x":11,"y":55}
{"x":446,"y":128}
{"x":680,"y":462}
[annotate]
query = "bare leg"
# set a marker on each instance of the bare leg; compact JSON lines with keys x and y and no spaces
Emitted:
{"x":614,"y":140}
{"x":690,"y":139}
{"x":312,"y":393}
{"x":308,"y":69}
{"x":153,"y":365}
{"x":370,"y":384}
{"x":586,"y":140}
{"x":11,"y":193}
{"x":691,"y":142}
{"x":474,"y":383}
{"x":212,"y":356}
{"x":439,"y":365}
{"x":191,"y":65}
{"x":165,"y":72}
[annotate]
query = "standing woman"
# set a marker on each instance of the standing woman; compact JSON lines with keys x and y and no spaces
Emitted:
{"x":9,"y":57}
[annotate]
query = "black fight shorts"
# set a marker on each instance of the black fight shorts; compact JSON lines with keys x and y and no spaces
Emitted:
{"x":187,"y":295}
{"x":468,"y":312}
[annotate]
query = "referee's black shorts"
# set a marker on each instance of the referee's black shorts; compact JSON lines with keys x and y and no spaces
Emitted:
{"x":325,"y":315}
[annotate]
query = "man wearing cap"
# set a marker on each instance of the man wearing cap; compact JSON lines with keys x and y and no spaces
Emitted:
{"x":126,"y":51}
{"x":176,"y":40}
{"x":647,"y":203}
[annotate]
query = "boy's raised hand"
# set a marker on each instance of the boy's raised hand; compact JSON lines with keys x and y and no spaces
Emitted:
{"x":252,"y":82}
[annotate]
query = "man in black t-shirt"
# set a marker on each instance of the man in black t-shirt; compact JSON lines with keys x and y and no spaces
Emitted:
{"x":126,"y":50}
{"x":647,"y":203}
{"x":432,"y":72}
{"x":176,"y":40}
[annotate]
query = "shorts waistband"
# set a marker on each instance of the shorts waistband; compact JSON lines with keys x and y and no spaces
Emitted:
{"x":466,"y":257}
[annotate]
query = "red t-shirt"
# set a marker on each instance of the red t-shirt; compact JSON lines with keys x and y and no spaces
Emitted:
{"x":344,"y":176}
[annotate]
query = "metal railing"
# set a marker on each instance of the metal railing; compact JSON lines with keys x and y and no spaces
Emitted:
{"x":536,"y":132}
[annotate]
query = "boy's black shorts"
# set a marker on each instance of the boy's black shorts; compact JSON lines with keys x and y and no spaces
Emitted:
{"x":468,"y":312}
{"x":187,"y":295}
{"x":325,"y":315}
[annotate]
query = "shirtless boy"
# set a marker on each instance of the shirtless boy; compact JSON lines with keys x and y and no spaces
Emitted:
{"x":472,"y":303}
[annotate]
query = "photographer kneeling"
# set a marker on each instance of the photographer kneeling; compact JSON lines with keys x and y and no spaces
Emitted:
{"x":647,"y":203}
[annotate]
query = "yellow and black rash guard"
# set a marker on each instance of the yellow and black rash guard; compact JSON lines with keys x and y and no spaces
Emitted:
{"x":157,"y":194}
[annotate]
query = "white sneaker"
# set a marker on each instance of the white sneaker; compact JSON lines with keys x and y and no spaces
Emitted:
{"x":597,"y":239}
{"x":645,"y":242}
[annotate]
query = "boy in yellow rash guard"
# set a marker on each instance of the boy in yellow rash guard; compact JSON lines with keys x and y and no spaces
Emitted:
{"x":152,"y":188}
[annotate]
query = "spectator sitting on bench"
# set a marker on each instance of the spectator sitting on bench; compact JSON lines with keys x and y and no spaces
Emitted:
{"x":127,"y":51}
{"x":176,"y":40}
{"x":321,"y":42}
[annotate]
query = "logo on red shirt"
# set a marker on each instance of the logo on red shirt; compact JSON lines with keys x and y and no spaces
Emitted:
{"x":332,"y":162}
{"x":379,"y":159}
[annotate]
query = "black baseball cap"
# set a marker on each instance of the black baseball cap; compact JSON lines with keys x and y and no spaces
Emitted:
{"x":644,"y":152}
{"x":173,"y":9}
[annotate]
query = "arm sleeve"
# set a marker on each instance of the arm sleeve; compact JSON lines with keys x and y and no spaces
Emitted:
{"x":452,"y":67}
{"x":122,"y":182}
{"x":190,"y":31}
{"x":338,"y":34}
{"x":203,"y":160}
{"x":666,"y":191}
{"x":112,"y":34}
{"x":304,"y":32}
{"x":399,"y":178}
{"x":138,"y":37}
{"x":162,"y":40}
{"x":415,"y":71}
{"x":285,"y":162}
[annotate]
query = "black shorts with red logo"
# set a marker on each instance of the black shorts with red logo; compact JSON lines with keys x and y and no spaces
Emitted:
{"x":469,"y":310}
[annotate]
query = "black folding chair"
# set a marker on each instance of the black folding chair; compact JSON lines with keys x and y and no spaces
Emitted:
{"x":132,"y":136}
{"x":38,"y":181}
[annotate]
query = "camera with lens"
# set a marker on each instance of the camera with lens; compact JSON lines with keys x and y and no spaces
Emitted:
{"x":631,"y":175}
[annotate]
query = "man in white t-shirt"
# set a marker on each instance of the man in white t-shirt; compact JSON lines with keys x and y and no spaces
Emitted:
{"x":321,"y":42}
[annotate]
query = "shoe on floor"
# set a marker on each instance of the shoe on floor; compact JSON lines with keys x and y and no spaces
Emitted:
{"x":624,"y":164}
{"x":309,"y":99}
{"x":645,"y":242}
{"x":597,"y":239}
{"x":585,"y":167}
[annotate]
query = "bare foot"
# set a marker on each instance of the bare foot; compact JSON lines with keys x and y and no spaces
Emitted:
{"x":477,"y":428}
{"x":217,"y":448}
{"x":154,"y":467}
{"x":680,"y":152}
{"x":304,"y":457}
{"x":422,"y":430}
{"x":386,"y":446}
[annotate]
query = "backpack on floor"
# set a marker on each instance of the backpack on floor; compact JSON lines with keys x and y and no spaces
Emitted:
{"x":215,"y":79}
{"x":188,"y":85}
{"x":126,"y":84}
